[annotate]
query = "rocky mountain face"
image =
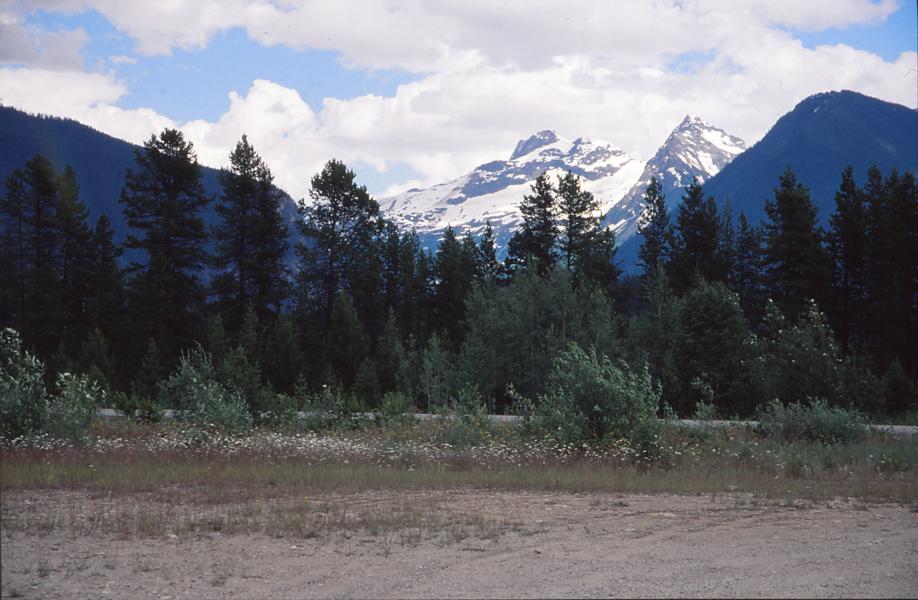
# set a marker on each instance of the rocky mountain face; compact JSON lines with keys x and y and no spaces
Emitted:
{"x":491,"y":193}
{"x":693,"y":150}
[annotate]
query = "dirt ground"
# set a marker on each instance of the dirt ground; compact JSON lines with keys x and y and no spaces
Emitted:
{"x":513,"y":545}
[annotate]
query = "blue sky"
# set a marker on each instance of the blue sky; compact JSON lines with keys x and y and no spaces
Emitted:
{"x":413,"y":94}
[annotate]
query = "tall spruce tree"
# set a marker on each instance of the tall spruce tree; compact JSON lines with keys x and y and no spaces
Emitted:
{"x":577,"y":209}
{"x":797,"y":265}
{"x":848,"y":249}
{"x":746,"y":276}
{"x":654,"y":226}
{"x":251,"y":239}
{"x":31,"y":250}
{"x":697,"y":232}
{"x":105,"y":301}
{"x":537,"y":237}
{"x":454,"y":269}
{"x":162,"y":201}
{"x":340,"y":223}
{"x":486,"y":256}
{"x":74,"y":262}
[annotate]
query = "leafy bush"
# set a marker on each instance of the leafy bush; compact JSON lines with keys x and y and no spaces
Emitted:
{"x":395,"y":408}
{"x":71,"y":411}
{"x":23,"y":398}
{"x":816,"y":422}
{"x":281,"y":413}
{"x":195,"y":391}
{"x":332,"y":407}
{"x":590,"y":399}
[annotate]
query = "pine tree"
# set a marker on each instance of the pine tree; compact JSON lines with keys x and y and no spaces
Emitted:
{"x":346,"y":344}
{"x":14,"y":263}
{"x":33,"y":196}
{"x":893,"y":279}
{"x":74,"y":263}
{"x":848,"y":249}
{"x":390,"y":358}
{"x":250,"y":240}
{"x":538,"y":235}
{"x":341,"y":221}
{"x":654,"y":226}
{"x":797,"y":265}
{"x":146,"y":384}
{"x":282,"y":355}
{"x":486,"y":256}
{"x":746,"y":277}
{"x":96,"y":361}
{"x":454,"y":270}
{"x":162,"y":201}
{"x":105,"y":299}
{"x":588,"y":250}
{"x":696,"y":239}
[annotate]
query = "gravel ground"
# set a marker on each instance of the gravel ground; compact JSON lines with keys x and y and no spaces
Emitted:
{"x":525,"y":545}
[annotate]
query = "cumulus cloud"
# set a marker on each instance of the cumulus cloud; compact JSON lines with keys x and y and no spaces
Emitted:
{"x":30,"y":46}
{"x":489,"y":74}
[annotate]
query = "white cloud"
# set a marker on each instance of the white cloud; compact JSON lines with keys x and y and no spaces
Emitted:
{"x":120,"y":59}
{"x":86,"y":97}
{"x":491,"y":72}
{"x":30,"y":46}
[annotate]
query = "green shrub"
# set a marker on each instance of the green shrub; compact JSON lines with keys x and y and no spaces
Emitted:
{"x":334,"y":408}
{"x":816,"y":422}
{"x":281,"y":413}
{"x":591,"y":399}
{"x":396,"y":408}
{"x":136,"y":406}
{"x":195,"y":391}
{"x":71,"y":411}
{"x":23,"y":397}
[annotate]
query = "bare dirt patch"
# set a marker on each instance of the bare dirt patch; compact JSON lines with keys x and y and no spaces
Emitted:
{"x":455,"y":543}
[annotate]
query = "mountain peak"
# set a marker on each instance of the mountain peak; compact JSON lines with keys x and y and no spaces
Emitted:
{"x":533,"y":142}
{"x":691,"y":120}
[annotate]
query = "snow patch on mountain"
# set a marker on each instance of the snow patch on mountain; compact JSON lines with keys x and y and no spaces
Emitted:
{"x":491,"y":193}
{"x":694,"y":149}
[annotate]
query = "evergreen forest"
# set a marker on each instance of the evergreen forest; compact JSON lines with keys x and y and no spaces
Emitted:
{"x":726,"y":315}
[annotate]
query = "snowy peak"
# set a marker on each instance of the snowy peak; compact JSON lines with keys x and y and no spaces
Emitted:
{"x":492,"y":191}
{"x":534,"y":142}
{"x":694,"y":149}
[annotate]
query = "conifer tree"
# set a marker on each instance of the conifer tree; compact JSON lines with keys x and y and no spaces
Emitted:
{"x":340,"y":223}
{"x":31,"y":250}
{"x":162,"y":201}
{"x":455,"y":273}
{"x":537,"y":237}
{"x":250,"y":240}
{"x":848,"y":249}
{"x":486,"y":256}
{"x":74,"y":263}
{"x":797,"y":266}
{"x":654,"y":226}
{"x":105,"y":300}
{"x":346,"y":344}
{"x":696,"y":239}
{"x":746,"y":277}
{"x":577,"y":209}
{"x":282,"y":355}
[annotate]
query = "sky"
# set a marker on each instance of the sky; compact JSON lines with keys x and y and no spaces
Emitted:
{"x":410,"y":93}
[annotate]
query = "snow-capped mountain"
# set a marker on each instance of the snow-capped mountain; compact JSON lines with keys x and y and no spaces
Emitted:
{"x":492,"y":192}
{"x":693,"y":149}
